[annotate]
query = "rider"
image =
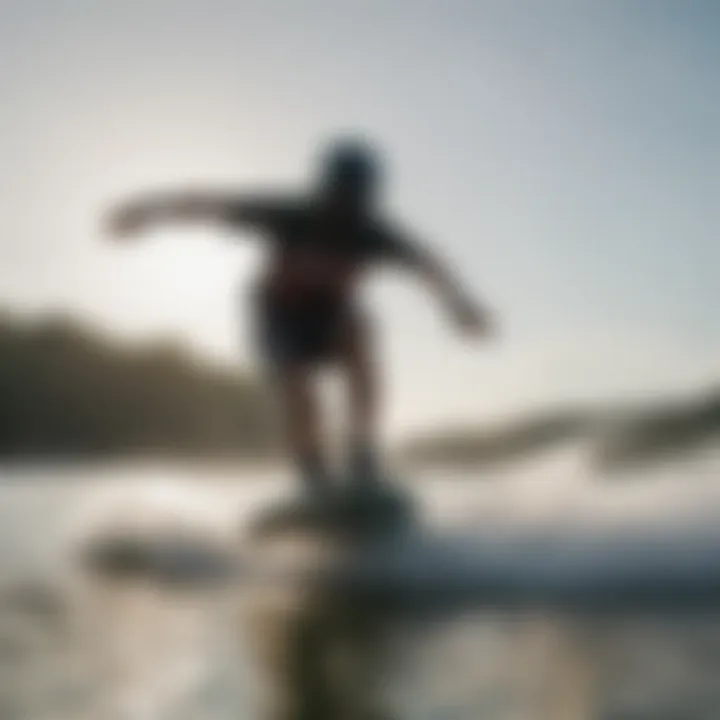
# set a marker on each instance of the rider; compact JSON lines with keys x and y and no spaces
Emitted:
{"x":320,"y":246}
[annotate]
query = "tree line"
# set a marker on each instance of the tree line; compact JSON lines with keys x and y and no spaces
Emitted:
{"x":67,"y":390}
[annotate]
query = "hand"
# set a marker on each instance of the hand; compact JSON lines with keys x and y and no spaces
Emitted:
{"x":472,"y":319}
{"x":126,"y":220}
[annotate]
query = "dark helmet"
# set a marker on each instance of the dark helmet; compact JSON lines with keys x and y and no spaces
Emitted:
{"x":351,"y":165}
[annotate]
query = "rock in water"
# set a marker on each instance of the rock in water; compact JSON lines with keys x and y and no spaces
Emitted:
{"x":170,"y":559}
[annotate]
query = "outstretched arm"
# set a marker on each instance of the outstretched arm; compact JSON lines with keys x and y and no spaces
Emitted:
{"x":140,"y":213}
{"x":467,"y":313}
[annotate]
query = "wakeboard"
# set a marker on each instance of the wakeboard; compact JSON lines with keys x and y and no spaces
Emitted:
{"x":350,"y":511}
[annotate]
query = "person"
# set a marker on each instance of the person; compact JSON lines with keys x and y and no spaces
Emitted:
{"x":307,"y":310}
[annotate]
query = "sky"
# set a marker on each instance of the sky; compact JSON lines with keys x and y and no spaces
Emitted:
{"x":565,"y":156}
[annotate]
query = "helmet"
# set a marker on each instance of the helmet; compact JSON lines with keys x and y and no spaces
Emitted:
{"x":352,"y":165}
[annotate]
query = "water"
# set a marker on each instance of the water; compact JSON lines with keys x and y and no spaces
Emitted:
{"x":73,"y":646}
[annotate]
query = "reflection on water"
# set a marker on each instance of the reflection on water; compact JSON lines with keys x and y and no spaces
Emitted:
{"x":73,"y":646}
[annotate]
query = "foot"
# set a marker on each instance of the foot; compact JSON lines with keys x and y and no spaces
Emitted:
{"x":314,"y":477}
{"x":365,"y":475}
{"x":316,"y":486}
{"x":376,"y":502}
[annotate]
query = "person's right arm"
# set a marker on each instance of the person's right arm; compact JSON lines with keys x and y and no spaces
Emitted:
{"x":403,"y":249}
{"x":141,"y":213}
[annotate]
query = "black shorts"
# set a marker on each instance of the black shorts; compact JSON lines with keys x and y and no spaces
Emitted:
{"x":301,"y":334}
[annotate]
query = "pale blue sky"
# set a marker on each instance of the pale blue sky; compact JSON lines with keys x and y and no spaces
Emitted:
{"x":565,"y":154}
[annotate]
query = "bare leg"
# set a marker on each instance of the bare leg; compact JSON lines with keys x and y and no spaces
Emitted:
{"x":357,"y":357}
{"x":303,"y":427}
